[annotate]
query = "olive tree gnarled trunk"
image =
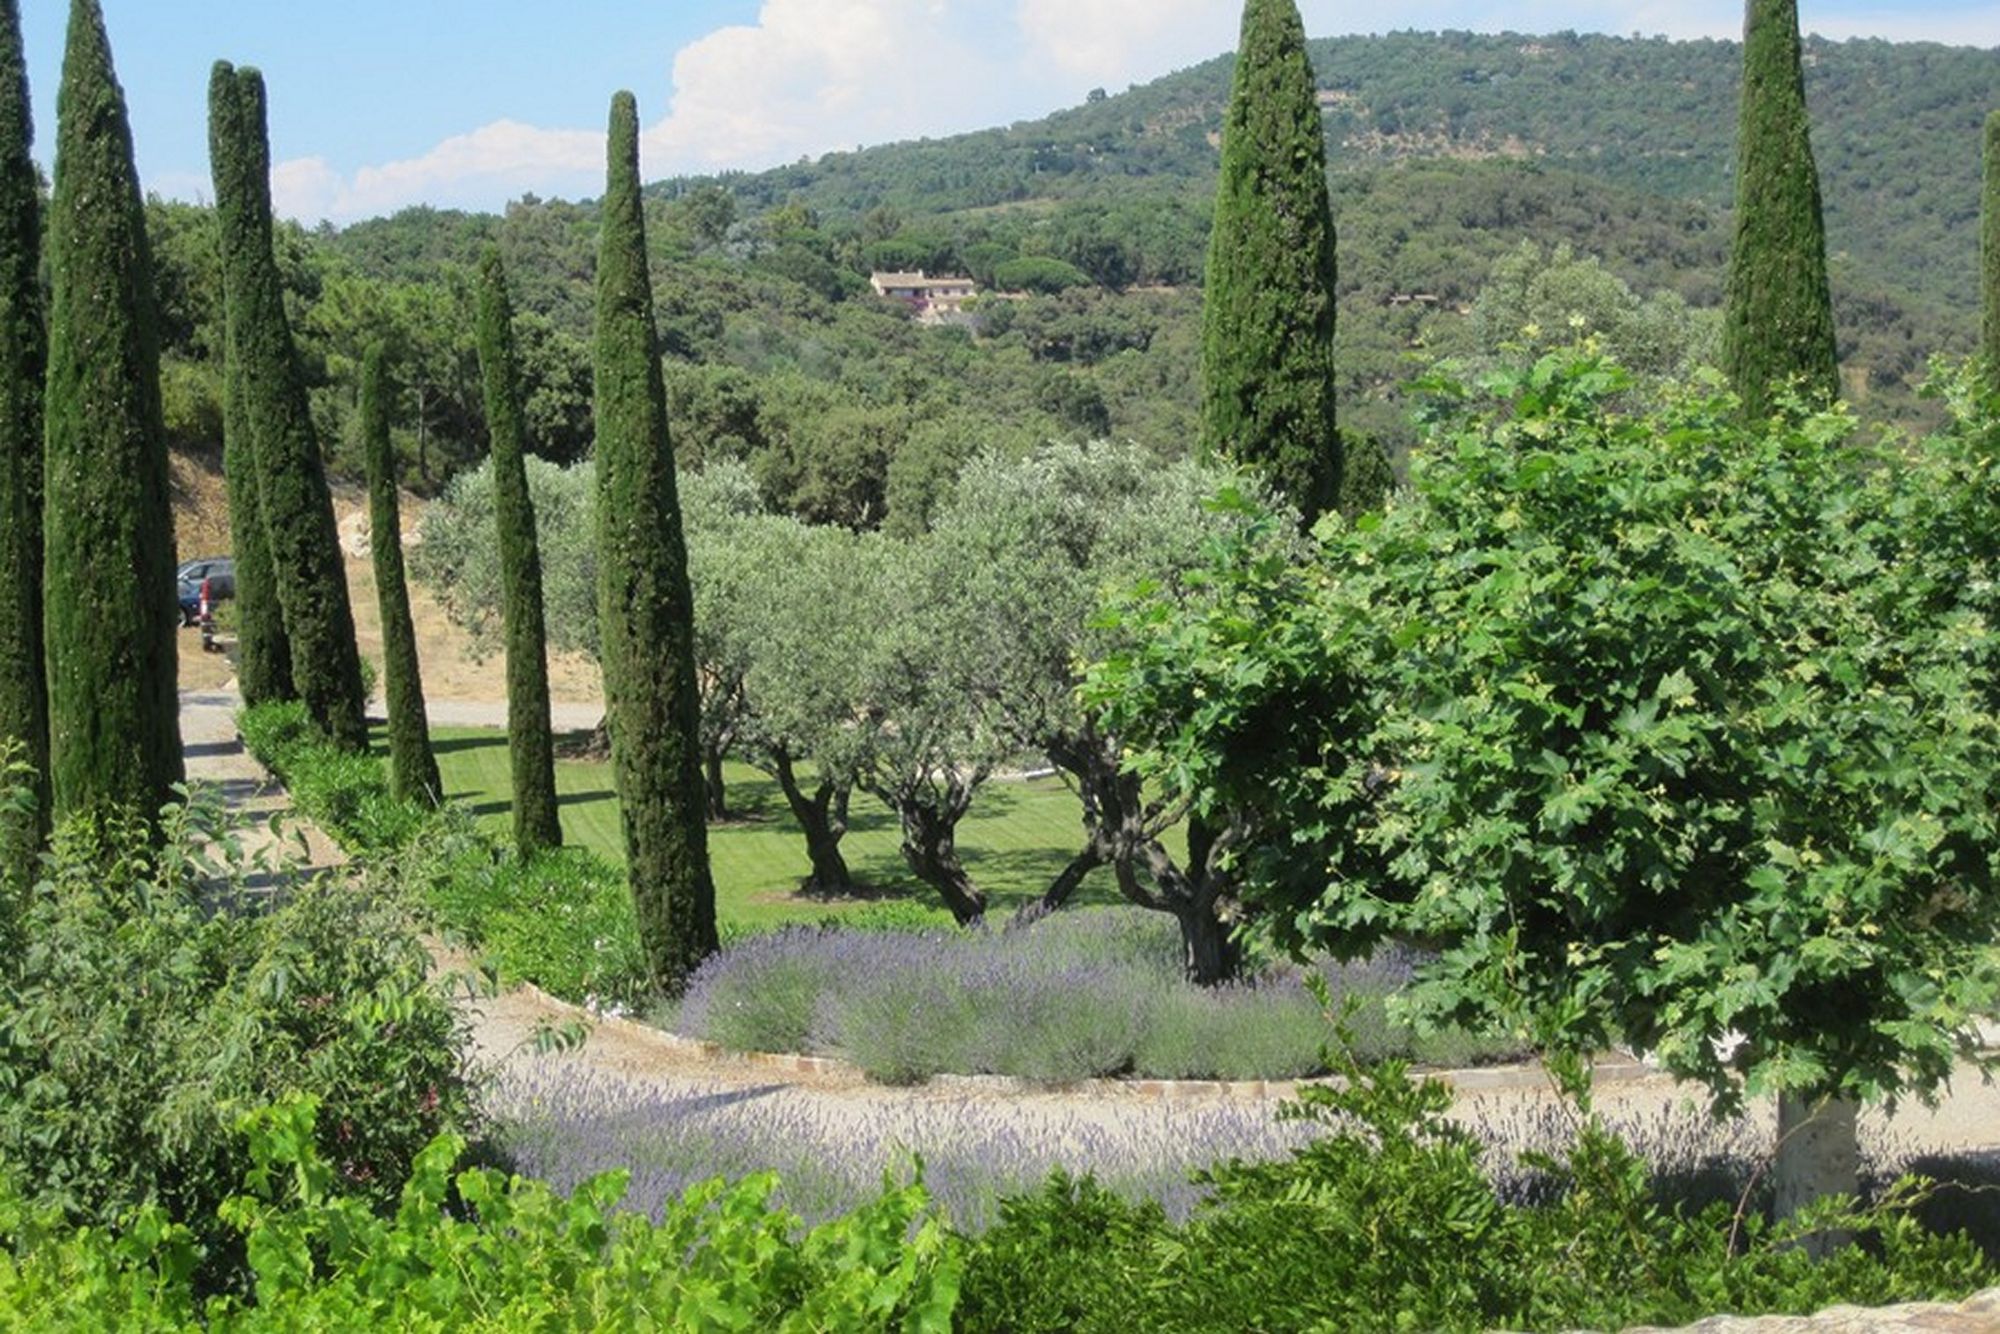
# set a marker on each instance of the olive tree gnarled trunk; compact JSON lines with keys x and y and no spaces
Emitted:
{"x":1123,"y":830}
{"x":928,"y":806}
{"x":822,"y":816}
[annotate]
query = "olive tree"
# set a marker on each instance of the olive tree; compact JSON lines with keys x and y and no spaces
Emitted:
{"x":923,"y":728}
{"x":1034,"y":547}
{"x":460,"y":562}
{"x":1664,"y":729}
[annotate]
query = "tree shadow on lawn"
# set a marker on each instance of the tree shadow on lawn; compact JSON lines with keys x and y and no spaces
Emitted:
{"x":505,"y":806}
{"x":452,"y":745}
{"x":1017,"y":875}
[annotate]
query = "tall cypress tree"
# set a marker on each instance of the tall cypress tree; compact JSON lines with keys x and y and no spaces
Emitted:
{"x":263,"y":652}
{"x":645,"y":608}
{"x":24,"y":699}
{"x":1989,"y":245}
{"x":1268,"y":316}
{"x":413,"y":770}
{"x":530,"y":740}
{"x":291,"y":476}
{"x":1778,"y":320}
{"x":109,"y":611}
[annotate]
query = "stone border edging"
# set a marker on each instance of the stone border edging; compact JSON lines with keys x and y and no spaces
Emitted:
{"x":1474,"y":1079}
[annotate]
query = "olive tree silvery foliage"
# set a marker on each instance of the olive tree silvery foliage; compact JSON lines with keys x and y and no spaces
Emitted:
{"x":1035,"y":547}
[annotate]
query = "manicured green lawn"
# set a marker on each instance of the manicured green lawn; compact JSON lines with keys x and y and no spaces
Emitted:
{"x":1018,"y":836}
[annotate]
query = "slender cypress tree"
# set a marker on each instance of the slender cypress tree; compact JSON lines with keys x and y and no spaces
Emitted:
{"x":645,"y":608}
{"x":109,"y":612}
{"x":530,"y":739}
{"x":291,"y":476}
{"x":413,"y":770}
{"x":1778,"y":321}
{"x":1989,"y":244}
{"x":1268,"y":316}
{"x":24,"y":699}
{"x":263,"y":652}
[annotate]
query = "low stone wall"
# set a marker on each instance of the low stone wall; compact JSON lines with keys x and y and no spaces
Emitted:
{"x":1977,"y":1315}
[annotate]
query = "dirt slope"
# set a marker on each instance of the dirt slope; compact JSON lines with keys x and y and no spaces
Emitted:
{"x":452,"y":671}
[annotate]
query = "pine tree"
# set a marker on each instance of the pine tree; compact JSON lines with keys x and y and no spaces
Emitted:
{"x":1268,"y":316}
{"x":413,"y":770}
{"x":1990,"y":252}
{"x":291,"y":477}
{"x":263,"y":653}
{"x":530,"y":740}
{"x":645,"y":606}
{"x":109,"y":611}
{"x":24,"y":700}
{"x":1778,"y":317}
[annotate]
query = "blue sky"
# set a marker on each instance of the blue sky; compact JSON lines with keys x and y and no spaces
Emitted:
{"x":377,"y":104}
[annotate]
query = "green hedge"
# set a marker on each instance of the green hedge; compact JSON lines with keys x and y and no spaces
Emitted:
{"x":561,"y":919}
{"x":139,"y":1021}
{"x":1391,"y":1220}
{"x":475,"y":1250}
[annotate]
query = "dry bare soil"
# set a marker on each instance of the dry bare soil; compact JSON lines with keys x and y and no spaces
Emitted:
{"x":452,"y":669}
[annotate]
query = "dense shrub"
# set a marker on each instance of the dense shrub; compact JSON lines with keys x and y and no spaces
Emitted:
{"x":1390,"y":1220}
{"x":1387,"y":1219}
{"x":561,"y":919}
{"x":513,"y":1255}
{"x":155,"y":1000}
{"x":345,"y":793}
{"x":1069,"y":997}
{"x":1038,"y":274}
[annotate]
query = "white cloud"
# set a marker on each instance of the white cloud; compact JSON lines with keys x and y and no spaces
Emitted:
{"x":814,"y":75}
{"x":495,"y":161}
{"x":1116,"y":42}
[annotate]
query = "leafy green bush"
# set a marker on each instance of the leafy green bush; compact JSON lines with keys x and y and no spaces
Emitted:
{"x":346,"y":794}
{"x":1038,"y":274}
{"x":473,"y":1250}
{"x":561,"y":919}
{"x":276,"y":733}
{"x":1390,"y":1221}
{"x":139,"y":1020}
{"x":1658,"y":725}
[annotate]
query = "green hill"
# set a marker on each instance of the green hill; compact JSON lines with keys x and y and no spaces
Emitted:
{"x":1448,"y":152}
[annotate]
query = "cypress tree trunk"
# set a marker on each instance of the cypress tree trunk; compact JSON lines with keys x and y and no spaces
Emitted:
{"x":1989,"y":245}
{"x":263,"y":653}
{"x":1268,"y":313}
{"x":291,"y":476}
{"x":413,"y":768}
{"x":109,"y":611}
{"x":1778,"y":321}
{"x":530,"y":738}
{"x":646,"y":611}
{"x":24,"y":699}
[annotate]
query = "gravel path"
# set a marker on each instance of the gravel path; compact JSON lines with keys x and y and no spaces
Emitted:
{"x":625,"y":1064}
{"x":564,"y":717}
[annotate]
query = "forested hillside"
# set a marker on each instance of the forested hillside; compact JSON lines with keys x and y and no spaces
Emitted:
{"x":1449,"y":153}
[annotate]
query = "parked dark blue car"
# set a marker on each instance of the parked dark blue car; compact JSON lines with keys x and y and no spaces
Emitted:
{"x":220,"y":571}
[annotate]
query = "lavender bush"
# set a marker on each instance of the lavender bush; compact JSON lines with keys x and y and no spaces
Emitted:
{"x":563,"y":1123}
{"x":1073,"y":996}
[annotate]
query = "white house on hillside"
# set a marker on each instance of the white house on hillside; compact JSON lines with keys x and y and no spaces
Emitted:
{"x":934,"y":299}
